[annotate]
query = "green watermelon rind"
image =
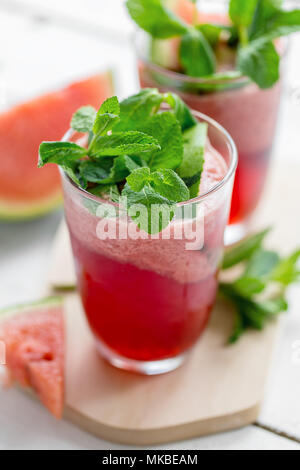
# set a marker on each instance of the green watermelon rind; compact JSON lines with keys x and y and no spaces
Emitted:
{"x":30,"y":307}
{"x":10,"y":211}
{"x":15,"y":211}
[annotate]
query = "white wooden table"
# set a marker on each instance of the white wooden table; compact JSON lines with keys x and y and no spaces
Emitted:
{"x":44,"y":45}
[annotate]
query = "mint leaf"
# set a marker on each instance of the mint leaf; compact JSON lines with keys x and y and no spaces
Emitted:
{"x":260,"y":61}
{"x":211,"y":32}
{"x":287,"y":270}
{"x":249,"y":312}
{"x":121,"y":143}
{"x":151,"y":211}
{"x":244,"y":249}
{"x":138,"y":178}
{"x":110,"y":106}
{"x":282,"y":24}
{"x":122,"y":167}
{"x":167,"y":131}
{"x":196,"y":55}
{"x":265,"y":10}
{"x":238,"y":328}
{"x":107,"y":116}
{"x":155,"y":18}
{"x":248,"y":286}
{"x":106,"y":191}
{"x":71,"y":169}
{"x":190,"y":169}
{"x":181,"y":110}
{"x":273,"y":306}
{"x":241,"y":12}
{"x":104,"y":123}
{"x":165,"y":182}
{"x":262,"y":263}
{"x":169,"y":185}
{"x":93,"y":172}
{"x":271,"y":22}
{"x":59,"y":152}
{"x":83,"y":119}
{"x":138,"y":108}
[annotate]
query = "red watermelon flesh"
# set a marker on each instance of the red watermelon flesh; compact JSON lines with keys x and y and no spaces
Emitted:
{"x":26,"y":190}
{"x":34,"y":340}
{"x":185,"y":9}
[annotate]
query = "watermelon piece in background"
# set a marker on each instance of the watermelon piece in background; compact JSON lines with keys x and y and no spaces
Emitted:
{"x":25,"y":190}
{"x":185,"y":10}
{"x":33,"y":335}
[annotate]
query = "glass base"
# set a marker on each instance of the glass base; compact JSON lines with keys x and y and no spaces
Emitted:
{"x":234,"y":233}
{"x":141,"y":367}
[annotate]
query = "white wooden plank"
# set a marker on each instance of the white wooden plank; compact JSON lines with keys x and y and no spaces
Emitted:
{"x":24,"y":255}
{"x":44,"y":432}
{"x":281,"y":408}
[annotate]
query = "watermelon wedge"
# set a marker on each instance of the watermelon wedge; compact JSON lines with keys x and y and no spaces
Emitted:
{"x":185,"y":10}
{"x":25,"y":190}
{"x":33,"y":335}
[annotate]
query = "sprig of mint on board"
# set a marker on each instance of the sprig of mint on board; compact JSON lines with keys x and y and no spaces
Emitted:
{"x":255,"y":25}
{"x":261,"y":270}
{"x":137,"y":150}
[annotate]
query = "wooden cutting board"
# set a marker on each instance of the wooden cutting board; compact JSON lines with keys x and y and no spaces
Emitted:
{"x":220,"y":387}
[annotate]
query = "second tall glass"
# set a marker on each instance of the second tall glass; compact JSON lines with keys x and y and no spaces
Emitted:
{"x":246,"y":111}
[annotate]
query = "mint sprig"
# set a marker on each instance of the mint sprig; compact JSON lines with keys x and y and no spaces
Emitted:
{"x":155,"y":18}
{"x":196,"y":54}
{"x":191,"y":167}
{"x":83,"y":119}
{"x":248,"y":292}
{"x":137,"y":149}
{"x":255,"y":25}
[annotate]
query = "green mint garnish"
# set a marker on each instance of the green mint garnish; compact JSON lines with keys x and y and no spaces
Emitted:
{"x":165,"y":182}
{"x":262,"y":269}
{"x":137,"y":108}
{"x":255,"y":24}
{"x":211,"y":32}
{"x":60,"y":153}
{"x":272,"y":22}
{"x":196,"y":54}
{"x":83,"y":119}
{"x":244,"y":249}
{"x":181,"y":111}
{"x":122,"y":143}
{"x":166,"y":129}
{"x":155,"y":18}
{"x":107,"y":116}
{"x":151,"y":201}
{"x":135,"y":149}
{"x":259,"y":60}
{"x":191,"y":167}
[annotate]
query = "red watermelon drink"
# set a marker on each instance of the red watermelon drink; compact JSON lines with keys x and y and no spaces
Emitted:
{"x":248,"y":113}
{"x":148,"y":294}
{"x":226,"y":67}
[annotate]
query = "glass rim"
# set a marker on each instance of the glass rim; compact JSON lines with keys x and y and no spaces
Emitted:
{"x":235,"y":78}
{"x":230,"y":170}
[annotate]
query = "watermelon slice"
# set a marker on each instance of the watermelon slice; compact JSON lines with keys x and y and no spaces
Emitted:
{"x":25,"y":190}
{"x":34,"y":339}
{"x":185,"y":10}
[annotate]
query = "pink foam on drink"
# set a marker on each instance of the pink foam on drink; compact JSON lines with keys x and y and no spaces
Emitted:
{"x":167,"y":257}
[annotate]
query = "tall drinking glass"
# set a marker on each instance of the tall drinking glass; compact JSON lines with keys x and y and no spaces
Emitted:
{"x":148,"y":298}
{"x":246,"y":111}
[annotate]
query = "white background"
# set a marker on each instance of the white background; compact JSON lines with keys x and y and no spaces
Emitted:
{"x":43,"y":45}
